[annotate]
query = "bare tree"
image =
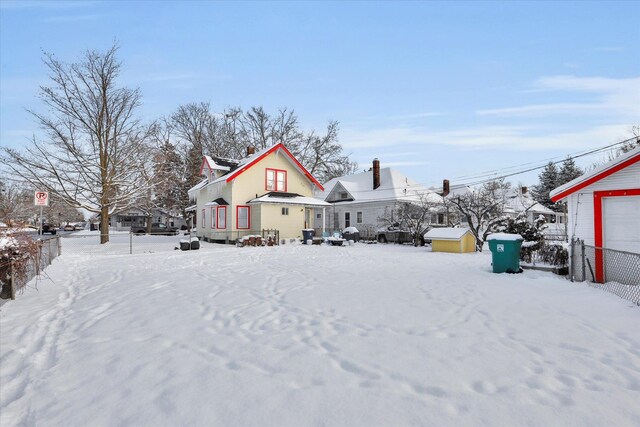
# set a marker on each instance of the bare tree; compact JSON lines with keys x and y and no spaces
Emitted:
{"x":483,"y":209}
{"x":413,"y":215}
{"x":94,"y":145}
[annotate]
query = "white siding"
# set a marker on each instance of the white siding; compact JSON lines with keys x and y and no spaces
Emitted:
{"x":580,"y":208}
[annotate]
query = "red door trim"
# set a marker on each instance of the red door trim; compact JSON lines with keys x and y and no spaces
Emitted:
{"x":598,"y":229}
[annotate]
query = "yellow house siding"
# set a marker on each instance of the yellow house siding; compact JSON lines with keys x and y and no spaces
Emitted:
{"x":289,"y":226}
{"x":252,"y":182}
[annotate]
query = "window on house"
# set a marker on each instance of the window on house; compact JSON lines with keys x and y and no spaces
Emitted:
{"x":242,"y":215}
{"x":347,"y":219}
{"x":222,"y":217}
{"x":359,"y":217}
{"x":202,"y":220}
{"x":276,"y":180}
{"x":285,"y":211}
{"x":336,"y":220}
{"x":318,"y":216}
{"x":213,"y":217}
{"x":344,"y":196}
{"x":440,"y":218}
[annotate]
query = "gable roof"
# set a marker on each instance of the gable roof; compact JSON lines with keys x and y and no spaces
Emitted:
{"x":393,"y":186}
{"x":218,"y":163}
{"x":446,"y":233}
{"x":596,"y":174}
{"x":248,"y":162}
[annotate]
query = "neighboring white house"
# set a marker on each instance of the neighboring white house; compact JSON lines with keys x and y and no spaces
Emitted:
{"x":604,"y":206}
{"x":520,"y":200}
{"x":134,"y":217}
{"x":361,"y":200}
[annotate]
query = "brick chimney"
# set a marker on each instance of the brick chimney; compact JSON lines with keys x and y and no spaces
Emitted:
{"x":376,"y":173}
{"x":251,"y":150}
{"x":445,"y":187}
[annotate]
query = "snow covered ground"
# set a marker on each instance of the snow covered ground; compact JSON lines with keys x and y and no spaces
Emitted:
{"x":296,"y":335}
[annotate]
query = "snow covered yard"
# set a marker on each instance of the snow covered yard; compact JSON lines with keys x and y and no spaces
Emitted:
{"x":297,"y":335}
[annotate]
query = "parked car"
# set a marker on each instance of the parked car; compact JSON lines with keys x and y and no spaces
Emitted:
{"x":80,"y":226}
{"x":158,"y":228}
{"x":69,"y":227}
{"x":48,"y":228}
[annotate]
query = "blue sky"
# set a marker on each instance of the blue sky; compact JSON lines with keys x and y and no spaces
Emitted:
{"x":436,"y":90}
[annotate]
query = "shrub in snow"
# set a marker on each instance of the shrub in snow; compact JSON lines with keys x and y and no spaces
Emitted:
{"x":531,"y":233}
{"x":17,"y":252}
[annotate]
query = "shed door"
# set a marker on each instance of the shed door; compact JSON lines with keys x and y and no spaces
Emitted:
{"x":621,"y":223}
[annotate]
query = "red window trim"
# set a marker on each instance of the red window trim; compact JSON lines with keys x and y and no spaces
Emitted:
{"x":275,"y":171}
{"x":598,"y":229}
{"x":225,"y":218}
{"x":238,"y":217}
{"x":204,"y":222}
{"x":213,"y":217}
{"x":278,"y":146}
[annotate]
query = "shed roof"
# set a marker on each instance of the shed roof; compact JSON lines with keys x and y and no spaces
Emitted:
{"x":446,"y":233}
{"x":596,"y":174}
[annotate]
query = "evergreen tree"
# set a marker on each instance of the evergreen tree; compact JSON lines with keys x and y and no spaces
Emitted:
{"x":568,"y":172}
{"x":549,"y":178}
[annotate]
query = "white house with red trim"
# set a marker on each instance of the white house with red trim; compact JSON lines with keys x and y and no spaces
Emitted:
{"x":604,"y":207}
{"x":267,"y":190}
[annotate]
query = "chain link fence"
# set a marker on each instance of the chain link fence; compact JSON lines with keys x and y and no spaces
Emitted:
{"x":16,"y":272}
{"x":614,"y":271}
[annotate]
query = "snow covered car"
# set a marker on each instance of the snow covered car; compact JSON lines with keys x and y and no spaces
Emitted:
{"x":69,"y":227}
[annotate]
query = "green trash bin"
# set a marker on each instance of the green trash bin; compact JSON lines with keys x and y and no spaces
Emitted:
{"x":505,"y":252}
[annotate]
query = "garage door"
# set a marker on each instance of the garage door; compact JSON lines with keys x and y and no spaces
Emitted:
{"x":621,"y":223}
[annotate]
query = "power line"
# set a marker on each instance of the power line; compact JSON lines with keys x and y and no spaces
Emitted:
{"x":492,"y":177}
{"x":572,"y":155}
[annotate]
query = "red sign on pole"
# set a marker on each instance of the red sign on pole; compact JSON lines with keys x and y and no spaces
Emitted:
{"x":41,"y":198}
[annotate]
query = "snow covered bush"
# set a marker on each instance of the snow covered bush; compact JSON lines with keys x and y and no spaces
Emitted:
{"x":531,"y":233}
{"x":17,"y":252}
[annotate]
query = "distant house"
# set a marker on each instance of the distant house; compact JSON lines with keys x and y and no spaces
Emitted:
{"x":604,"y":208}
{"x":135,"y":218}
{"x":267,"y":190}
{"x":452,"y":240}
{"x":520,"y":200}
{"x":363,"y":199}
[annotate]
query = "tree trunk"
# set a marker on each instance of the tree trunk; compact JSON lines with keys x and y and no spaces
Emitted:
{"x":149,"y":220}
{"x":104,"y":224}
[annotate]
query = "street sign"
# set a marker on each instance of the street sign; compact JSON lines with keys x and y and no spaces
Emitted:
{"x":41,"y":198}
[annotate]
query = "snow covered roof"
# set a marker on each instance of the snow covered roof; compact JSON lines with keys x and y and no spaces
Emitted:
{"x":516,"y":201}
{"x":393,"y":186}
{"x":213,"y":165}
{"x":446,"y":233}
{"x":596,"y":174}
{"x":288,"y":199}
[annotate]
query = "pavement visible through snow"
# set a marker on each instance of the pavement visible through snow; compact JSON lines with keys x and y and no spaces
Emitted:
{"x":296,"y":335}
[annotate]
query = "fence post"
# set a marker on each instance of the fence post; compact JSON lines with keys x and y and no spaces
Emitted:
{"x":571,"y":260}
{"x":130,"y":242}
{"x":13,"y":281}
{"x":584,"y":264}
{"x":59,"y":246}
{"x":49,"y":252}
